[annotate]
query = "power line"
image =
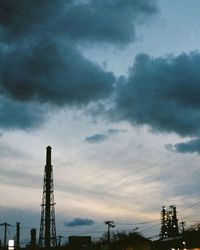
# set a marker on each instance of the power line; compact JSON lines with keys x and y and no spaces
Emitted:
{"x":136,"y":223}
{"x":190,"y":207}
{"x":147,"y":228}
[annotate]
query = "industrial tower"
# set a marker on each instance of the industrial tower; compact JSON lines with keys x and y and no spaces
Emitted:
{"x":47,"y":237}
{"x":169,"y":222}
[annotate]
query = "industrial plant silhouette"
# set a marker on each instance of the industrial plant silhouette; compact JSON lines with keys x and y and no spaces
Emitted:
{"x":171,"y":237}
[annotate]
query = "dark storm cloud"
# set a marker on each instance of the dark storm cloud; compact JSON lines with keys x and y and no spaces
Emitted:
{"x":192,"y":146}
{"x":96,"y":138}
{"x":109,"y":21}
{"x":14,"y":114}
{"x":79,"y":222}
{"x":163,"y":93}
{"x":27,"y":19}
{"x":52,"y":72}
{"x":95,"y":20}
{"x":39,"y":59}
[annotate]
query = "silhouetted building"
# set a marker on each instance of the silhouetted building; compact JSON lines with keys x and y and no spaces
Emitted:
{"x":169,"y":222}
{"x":79,"y":242}
{"x":130,"y":241}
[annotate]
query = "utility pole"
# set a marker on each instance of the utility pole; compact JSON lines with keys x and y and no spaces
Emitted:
{"x":6,"y":225}
{"x":17,"y":235}
{"x":59,"y":240}
{"x":183,"y":226}
{"x":110,"y":224}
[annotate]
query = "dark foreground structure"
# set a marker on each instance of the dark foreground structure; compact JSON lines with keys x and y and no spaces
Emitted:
{"x":189,"y":240}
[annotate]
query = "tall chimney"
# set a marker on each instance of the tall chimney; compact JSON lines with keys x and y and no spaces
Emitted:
{"x":33,"y":238}
{"x":47,"y":236}
{"x":48,"y":156}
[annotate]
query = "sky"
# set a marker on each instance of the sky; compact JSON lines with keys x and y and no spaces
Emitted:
{"x":113,"y":87}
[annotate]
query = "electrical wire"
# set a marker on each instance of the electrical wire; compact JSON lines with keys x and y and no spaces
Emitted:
{"x":197,"y":204}
{"x":148,"y":228}
{"x":136,"y":223}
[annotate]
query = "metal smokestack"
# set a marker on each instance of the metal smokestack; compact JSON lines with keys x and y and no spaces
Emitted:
{"x":48,"y":156}
{"x":33,"y":238}
{"x":47,"y":236}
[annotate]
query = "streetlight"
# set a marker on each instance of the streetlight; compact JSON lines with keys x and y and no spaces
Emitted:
{"x":110,"y":224}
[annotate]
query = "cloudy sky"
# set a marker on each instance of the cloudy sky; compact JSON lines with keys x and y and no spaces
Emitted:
{"x":113,"y":87}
